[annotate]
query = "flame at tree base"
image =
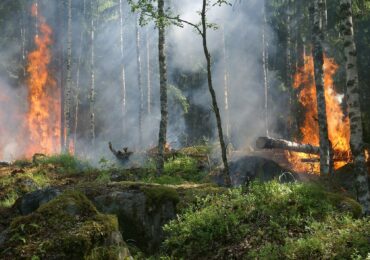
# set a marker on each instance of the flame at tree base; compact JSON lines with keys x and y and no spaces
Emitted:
{"x":338,"y":122}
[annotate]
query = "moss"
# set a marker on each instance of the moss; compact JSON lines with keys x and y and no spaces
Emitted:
{"x":67,"y":227}
{"x":158,"y":194}
{"x":345,"y":204}
{"x":109,"y":253}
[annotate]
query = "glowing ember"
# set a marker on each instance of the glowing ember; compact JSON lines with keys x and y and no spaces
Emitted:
{"x":44,"y":99}
{"x":338,"y":123}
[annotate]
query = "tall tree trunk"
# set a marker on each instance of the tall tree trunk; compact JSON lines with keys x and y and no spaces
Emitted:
{"x":23,"y":40}
{"x":148,"y":74}
{"x":139,"y":82}
{"x":61,"y":21}
{"x":324,"y":12}
{"x":353,"y":101}
{"x":163,"y":89}
{"x":213,"y":95}
{"x":77,"y":90}
{"x":317,"y":38}
{"x":92,"y":76}
{"x":265,"y":71}
{"x":67,"y":98}
{"x":123,"y":73}
{"x":226,"y":85}
{"x":289,"y":71}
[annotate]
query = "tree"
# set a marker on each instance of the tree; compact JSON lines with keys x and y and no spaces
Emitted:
{"x":68,"y":89}
{"x":163,"y":18}
{"x":353,"y":101}
{"x":92,"y":74}
{"x":123,"y":71}
{"x":318,"y":54}
{"x":162,"y":85}
{"x":139,"y":81}
{"x":216,"y":110}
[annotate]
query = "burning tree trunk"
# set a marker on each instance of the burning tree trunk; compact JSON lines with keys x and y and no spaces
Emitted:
{"x":139,"y":82}
{"x":163,"y":88}
{"x":67,"y":98}
{"x":274,"y":143}
{"x":317,"y":40}
{"x":353,"y":100}
{"x":213,"y":93}
{"x":92,"y":75}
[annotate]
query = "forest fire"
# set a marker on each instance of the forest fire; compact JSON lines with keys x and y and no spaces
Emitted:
{"x":42,"y":119}
{"x":338,"y":122}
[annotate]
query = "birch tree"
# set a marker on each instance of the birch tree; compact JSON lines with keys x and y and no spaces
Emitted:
{"x":123,"y":71}
{"x":353,"y":101}
{"x":68,"y":89}
{"x":139,"y":82}
{"x":318,"y":54}
{"x":92,"y":75}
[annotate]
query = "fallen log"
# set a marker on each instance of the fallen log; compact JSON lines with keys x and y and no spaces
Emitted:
{"x":274,"y":143}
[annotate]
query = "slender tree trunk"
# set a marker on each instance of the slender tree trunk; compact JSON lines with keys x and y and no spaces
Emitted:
{"x":163,"y":89}
{"x":265,"y":71}
{"x":289,"y":71}
{"x":23,"y":40}
{"x":92,"y":77}
{"x":123,"y":73}
{"x":226,"y":85}
{"x":324,"y":12}
{"x":213,"y":95}
{"x":318,"y":52}
{"x":67,"y":98}
{"x":61,"y":19}
{"x":148,"y":75}
{"x":77,"y":90}
{"x":353,"y":101}
{"x":139,"y":82}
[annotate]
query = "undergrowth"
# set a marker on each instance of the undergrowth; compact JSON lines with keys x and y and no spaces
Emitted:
{"x":272,"y":220}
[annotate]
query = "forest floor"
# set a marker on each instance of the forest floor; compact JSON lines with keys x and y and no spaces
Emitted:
{"x":60,"y":207}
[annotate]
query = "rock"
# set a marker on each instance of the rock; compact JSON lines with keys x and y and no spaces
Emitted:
{"x":26,"y":185}
{"x":33,"y":200}
{"x":4,"y":164}
{"x":141,"y":212}
{"x":68,"y":227}
{"x":249,"y":168}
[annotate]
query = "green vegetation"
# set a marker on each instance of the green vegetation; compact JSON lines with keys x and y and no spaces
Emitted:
{"x":66,"y":163}
{"x":271,"y":220}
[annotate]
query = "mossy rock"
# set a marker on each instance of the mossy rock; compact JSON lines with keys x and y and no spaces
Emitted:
{"x":68,"y":227}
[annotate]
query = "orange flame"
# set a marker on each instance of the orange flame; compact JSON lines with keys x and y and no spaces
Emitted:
{"x":44,"y":98}
{"x":338,"y":123}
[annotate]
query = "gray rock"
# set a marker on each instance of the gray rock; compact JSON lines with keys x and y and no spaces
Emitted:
{"x":249,"y":168}
{"x":33,"y":200}
{"x":140,"y":221}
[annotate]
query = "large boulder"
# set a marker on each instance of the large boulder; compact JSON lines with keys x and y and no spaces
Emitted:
{"x":68,"y":227}
{"x":142,"y":211}
{"x":33,"y":200}
{"x":248,"y":168}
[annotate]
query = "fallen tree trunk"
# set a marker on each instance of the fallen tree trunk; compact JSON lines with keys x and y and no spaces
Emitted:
{"x":274,"y":143}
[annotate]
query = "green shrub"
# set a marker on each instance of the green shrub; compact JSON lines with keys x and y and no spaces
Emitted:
{"x":66,"y":163}
{"x":185,"y":167}
{"x":271,"y":220}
